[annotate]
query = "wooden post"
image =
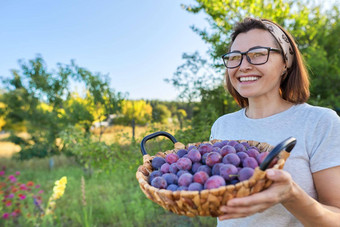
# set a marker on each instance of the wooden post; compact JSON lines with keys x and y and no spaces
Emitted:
{"x":133,"y":128}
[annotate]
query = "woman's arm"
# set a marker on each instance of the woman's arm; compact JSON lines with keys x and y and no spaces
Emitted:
{"x":285,"y":191}
{"x":325,"y":212}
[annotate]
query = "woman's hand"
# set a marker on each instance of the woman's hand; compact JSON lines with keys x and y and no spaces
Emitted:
{"x":280,"y":191}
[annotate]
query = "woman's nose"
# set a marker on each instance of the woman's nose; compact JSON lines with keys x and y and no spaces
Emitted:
{"x":245,"y":64}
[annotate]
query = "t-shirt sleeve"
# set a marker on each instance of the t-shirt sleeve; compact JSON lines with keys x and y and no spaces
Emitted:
{"x":325,"y":141}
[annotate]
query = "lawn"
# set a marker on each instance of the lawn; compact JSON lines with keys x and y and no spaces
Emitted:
{"x":111,"y":198}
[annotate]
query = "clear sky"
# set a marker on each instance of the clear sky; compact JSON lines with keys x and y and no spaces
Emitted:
{"x":138,"y":43}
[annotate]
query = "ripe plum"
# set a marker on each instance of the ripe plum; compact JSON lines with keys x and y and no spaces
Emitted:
{"x":224,"y":142}
{"x":195,"y":187}
{"x":218,"y":144}
{"x":200,"y":177}
{"x":239,"y":147}
{"x":157,"y":162}
{"x":246,"y":144}
{"x":195,"y":167}
{"x":245,"y":173}
{"x":184,"y":164}
{"x":205,"y":148}
{"x":194,"y":155}
{"x":165,"y":168}
{"x":204,"y":157}
{"x":185,"y":179}
{"x":204,"y":168}
{"x":213,"y":158}
{"x":242,"y":155}
{"x":252,"y":152}
{"x":170,"y":178}
{"x":216,"y":149}
{"x":254,"y":147}
{"x":215,"y":170}
{"x":179,"y":173}
{"x":171,"y":158}
{"x":250,"y":162}
{"x":228,"y":172}
{"x":214,"y":182}
{"x":181,"y":152}
{"x":159,"y":182}
{"x":232,"y":158}
{"x":227,"y":149}
{"x":173,"y":168}
{"x":156,"y":173}
{"x":172,"y":187}
{"x":191,"y":147}
{"x":232,"y":143}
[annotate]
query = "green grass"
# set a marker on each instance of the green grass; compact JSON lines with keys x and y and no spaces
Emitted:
{"x":112,"y":198}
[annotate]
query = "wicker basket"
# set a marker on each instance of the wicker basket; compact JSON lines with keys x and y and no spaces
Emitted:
{"x":205,"y":202}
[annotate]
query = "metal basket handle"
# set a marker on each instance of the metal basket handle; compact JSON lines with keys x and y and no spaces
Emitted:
{"x":153,"y":135}
{"x":287,"y":145}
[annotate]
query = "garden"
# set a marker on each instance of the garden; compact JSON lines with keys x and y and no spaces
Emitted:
{"x":69,"y":158}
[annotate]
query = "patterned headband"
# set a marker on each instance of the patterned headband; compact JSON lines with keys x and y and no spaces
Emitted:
{"x":283,"y":40}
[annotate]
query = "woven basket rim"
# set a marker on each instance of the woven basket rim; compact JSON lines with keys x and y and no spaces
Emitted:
{"x":145,"y":170}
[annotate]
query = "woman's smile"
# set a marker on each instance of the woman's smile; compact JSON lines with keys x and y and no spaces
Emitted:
{"x":248,"y":79}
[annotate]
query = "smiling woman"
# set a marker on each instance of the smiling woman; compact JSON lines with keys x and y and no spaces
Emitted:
{"x":272,"y":87}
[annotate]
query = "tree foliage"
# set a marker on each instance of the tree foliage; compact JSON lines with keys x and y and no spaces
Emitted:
{"x":161,"y":113}
{"x":315,"y":28}
{"x":137,"y":110}
{"x":43,"y":102}
{"x":2,"y":115}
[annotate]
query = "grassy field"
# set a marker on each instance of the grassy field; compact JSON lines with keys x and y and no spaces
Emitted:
{"x":112,"y":198}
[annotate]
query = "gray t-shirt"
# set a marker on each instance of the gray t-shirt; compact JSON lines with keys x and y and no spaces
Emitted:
{"x":317,"y":131}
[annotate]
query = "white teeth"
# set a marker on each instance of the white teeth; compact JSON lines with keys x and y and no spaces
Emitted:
{"x":251,"y":78}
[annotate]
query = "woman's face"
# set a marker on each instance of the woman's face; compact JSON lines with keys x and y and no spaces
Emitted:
{"x":257,"y":81}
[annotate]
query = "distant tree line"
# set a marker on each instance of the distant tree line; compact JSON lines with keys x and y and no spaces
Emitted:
{"x":43,"y":103}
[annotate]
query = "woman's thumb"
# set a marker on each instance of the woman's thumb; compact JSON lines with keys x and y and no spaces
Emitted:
{"x":276,"y":175}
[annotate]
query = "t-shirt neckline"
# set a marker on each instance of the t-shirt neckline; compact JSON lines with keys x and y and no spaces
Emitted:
{"x":274,"y":116}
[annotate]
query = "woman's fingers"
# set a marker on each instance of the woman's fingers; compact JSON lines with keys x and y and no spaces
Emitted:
{"x":237,"y":212}
{"x":259,"y":202}
{"x":266,"y":197}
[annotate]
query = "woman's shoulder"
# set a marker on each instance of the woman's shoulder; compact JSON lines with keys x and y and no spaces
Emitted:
{"x":224,"y":123}
{"x":230,"y":116}
{"x":316,"y":112}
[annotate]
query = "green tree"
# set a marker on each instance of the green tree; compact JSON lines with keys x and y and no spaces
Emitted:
{"x":137,"y":110}
{"x":2,"y":115}
{"x":161,"y":113}
{"x":40,"y":99}
{"x":315,"y":28}
{"x":316,"y":31}
{"x":201,"y":85}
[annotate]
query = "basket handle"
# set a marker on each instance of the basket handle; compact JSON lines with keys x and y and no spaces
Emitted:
{"x":153,"y":135}
{"x":287,"y":145}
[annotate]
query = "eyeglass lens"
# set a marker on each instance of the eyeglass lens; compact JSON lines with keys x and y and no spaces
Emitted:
{"x":255,"y":56}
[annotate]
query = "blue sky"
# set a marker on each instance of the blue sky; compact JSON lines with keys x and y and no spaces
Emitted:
{"x":138,"y":43}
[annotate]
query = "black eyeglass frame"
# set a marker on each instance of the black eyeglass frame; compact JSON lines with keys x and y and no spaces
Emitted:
{"x":248,"y":58}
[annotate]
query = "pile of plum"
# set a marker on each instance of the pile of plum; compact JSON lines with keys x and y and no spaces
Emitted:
{"x":206,"y":166}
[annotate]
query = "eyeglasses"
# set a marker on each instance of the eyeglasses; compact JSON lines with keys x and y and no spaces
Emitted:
{"x":255,"y":56}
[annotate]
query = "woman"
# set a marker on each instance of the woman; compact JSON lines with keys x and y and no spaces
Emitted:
{"x":267,"y":77}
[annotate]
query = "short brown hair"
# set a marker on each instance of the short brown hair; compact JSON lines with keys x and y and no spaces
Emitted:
{"x":294,"y":86}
